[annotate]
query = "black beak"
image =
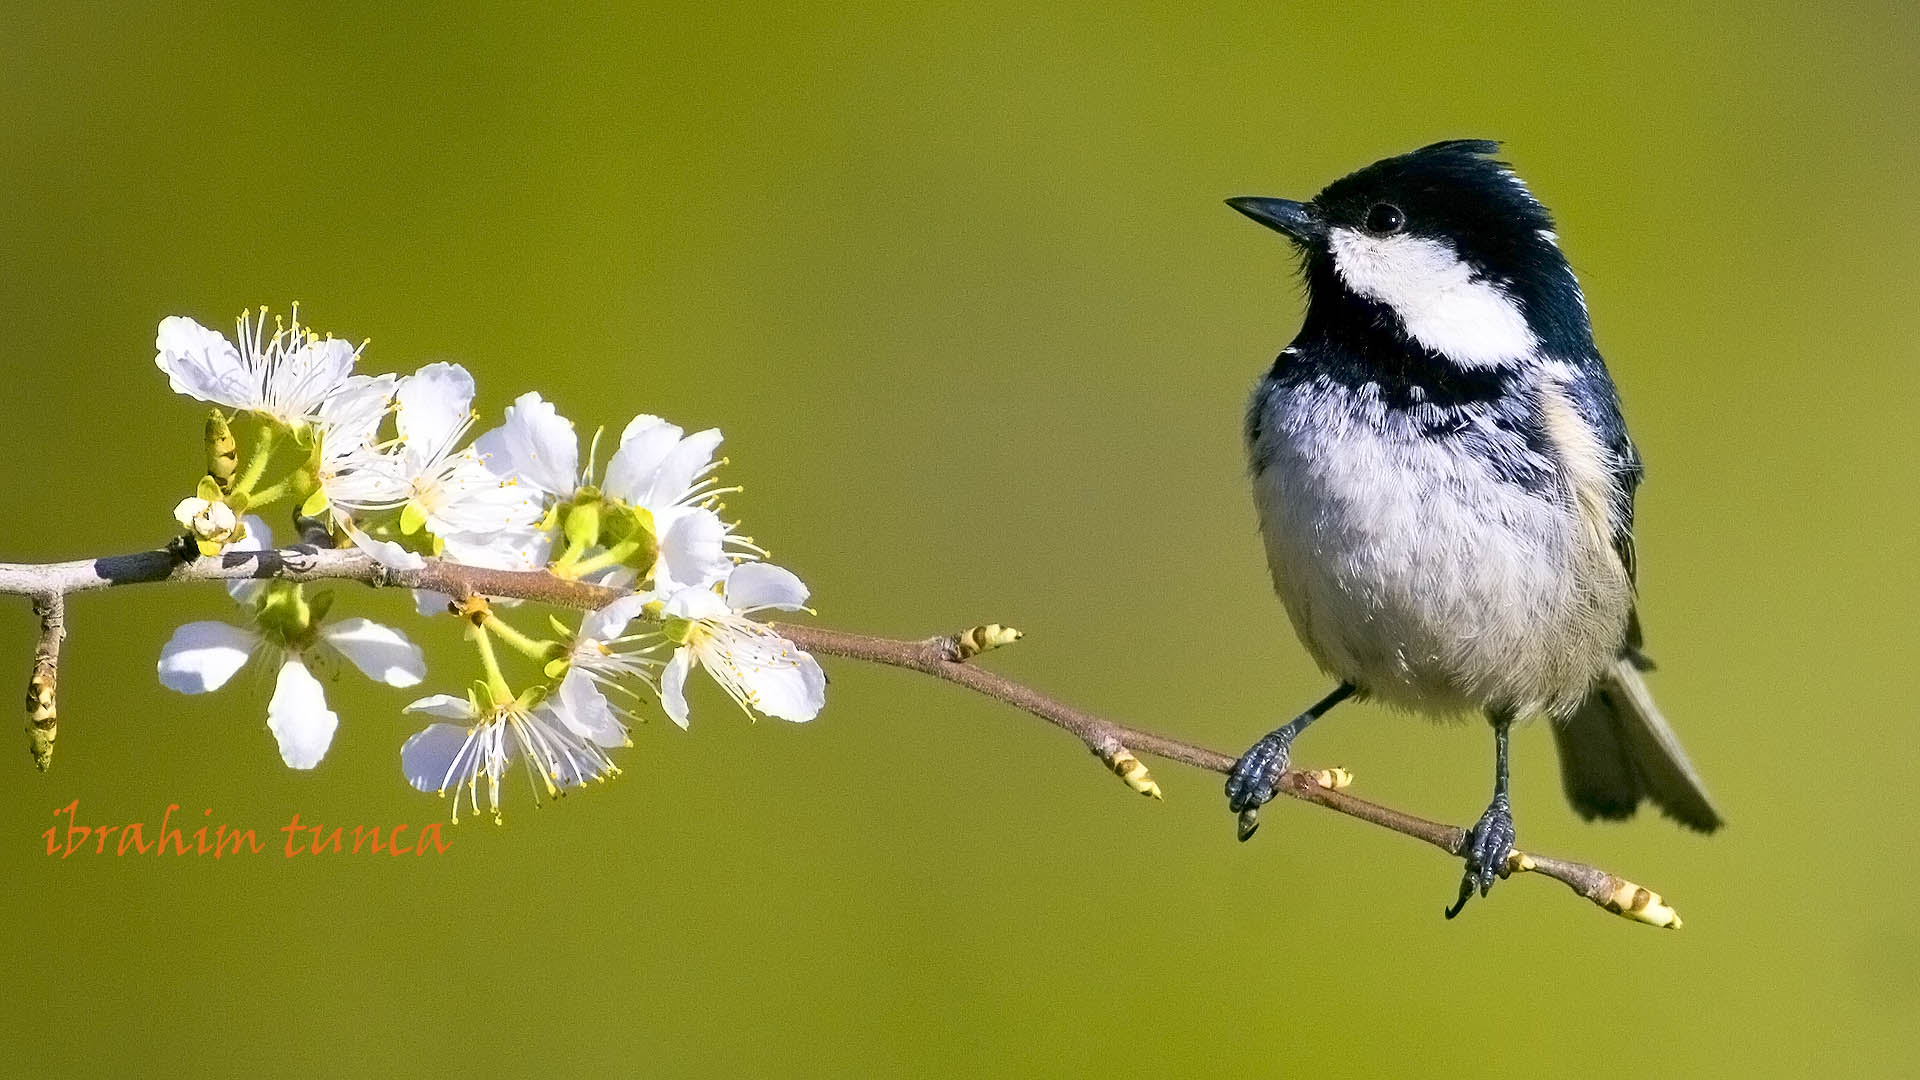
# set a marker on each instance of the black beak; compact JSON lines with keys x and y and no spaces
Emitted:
{"x":1299,"y":221}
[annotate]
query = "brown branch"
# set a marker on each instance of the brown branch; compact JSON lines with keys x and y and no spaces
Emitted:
{"x":941,"y":657}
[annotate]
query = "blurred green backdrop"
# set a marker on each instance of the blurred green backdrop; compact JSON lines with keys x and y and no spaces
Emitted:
{"x":959,"y":287}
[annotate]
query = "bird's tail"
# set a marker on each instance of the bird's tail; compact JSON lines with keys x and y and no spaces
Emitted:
{"x":1617,"y":749}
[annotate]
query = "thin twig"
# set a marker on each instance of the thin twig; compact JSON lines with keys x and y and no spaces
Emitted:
{"x":941,"y":657}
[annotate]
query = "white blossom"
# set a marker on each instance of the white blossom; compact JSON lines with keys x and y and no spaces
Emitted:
{"x":669,"y":474}
{"x":443,"y":758}
{"x":210,"y":520}
{"x":658,"y":470}
{"x":285,"y":377}
{"x":757,"y":667}
{"x":203,"y":656}
{"x":426,"y":474}
{"x":537,"y":445}
{"x":601,"y":663}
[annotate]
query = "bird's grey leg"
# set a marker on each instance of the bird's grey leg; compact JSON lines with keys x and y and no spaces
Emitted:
{"x":1256,"y":776}
{"x":1491,"y":840}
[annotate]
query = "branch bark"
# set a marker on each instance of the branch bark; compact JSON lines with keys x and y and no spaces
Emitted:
{"x":946,"y":658}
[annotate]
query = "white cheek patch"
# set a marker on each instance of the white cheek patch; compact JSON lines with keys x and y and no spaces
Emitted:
{"x":1474,"y":323}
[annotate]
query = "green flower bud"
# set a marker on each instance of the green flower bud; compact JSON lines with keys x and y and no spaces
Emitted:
{"x":223,"y":452}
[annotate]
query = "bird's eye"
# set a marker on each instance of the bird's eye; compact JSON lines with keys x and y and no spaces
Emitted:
{"x":1385,"y":219}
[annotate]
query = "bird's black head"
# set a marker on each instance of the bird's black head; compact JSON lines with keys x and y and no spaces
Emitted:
{"x":1444,"y":247}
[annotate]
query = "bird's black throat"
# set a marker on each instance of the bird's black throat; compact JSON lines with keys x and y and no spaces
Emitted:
{"x":1354,"y":342}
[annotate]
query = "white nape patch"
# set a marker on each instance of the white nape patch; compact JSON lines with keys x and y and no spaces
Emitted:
{"x":1471,"y":322}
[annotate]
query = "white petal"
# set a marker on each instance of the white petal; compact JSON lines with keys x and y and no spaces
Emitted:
{"x":308,"y":376}
{"x":350,"y":418}
{"x":584,"y":709}
{"x":434,"y":406}
{"x":299,"y":718}
{"x":677,"y":472}
{"x":613,"y":577}
{"x":673,"y":685}
{"x":385,"y":552}
{"x":536,"y":444}
{"x":361,"y":479}
{"x":202,"y":656}
{"x":259,"y":535}
{"x":611,"y":621}
{"x":453,"y":708}
{"x":203,"y":364}
{"x":427,"y":603}
{"x":471,"y":499}
{"x":691,"y":554}
{"x":381,"y":652}
{"x":753,"y":586}
{"x":188,"y":509}
{"x":509,"y":549}
{"x":697,"y":604}
{"x":259,"y":538}
{"x":789,"y":691}
{"x":431,"y":753}
{"x":566,"y":755}
{"x":643,"y":446}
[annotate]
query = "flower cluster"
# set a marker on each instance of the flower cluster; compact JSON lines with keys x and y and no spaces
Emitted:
{"x":385,"y":463}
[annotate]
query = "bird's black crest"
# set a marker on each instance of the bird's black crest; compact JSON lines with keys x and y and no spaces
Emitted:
{"x":1458,"y":191}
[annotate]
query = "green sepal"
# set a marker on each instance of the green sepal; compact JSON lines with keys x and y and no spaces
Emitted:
{"x":557,"y":668}
{"x":581,"y":526}
{"x":208,"y":489}
{"x":284,"y":611}
{"x":318,"y":605}
{"x":208,"y":548}
{"x":560,"y":629}
{"x":412,"y":519}
{"x":620,"y":521}
{"x":239,"y":501}
{"x":316,"y":504}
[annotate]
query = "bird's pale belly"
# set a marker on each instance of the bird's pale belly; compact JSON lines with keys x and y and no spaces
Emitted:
{"x":1434,"y":590}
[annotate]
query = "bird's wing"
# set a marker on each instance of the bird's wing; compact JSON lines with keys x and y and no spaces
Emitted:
{"x":1590,"y":391}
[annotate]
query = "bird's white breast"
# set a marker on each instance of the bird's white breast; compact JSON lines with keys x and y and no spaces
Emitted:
{"x":1413,"y":569}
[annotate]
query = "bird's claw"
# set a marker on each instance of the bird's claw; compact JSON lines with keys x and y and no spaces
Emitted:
{"x":1255,"y":778}
{"x":1488,"y":847}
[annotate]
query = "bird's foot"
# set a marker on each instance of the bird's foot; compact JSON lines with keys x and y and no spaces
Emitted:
{"x":1488,"y":847}
{"x":1255,"y":778}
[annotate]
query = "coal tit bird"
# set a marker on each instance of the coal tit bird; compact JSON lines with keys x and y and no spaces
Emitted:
{"x":1445,"y":487}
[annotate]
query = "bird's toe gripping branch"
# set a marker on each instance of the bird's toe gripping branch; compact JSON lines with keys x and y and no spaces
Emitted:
{"x":1489,"y":851}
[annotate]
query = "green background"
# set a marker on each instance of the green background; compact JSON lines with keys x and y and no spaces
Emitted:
{"x":959,"y":287}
